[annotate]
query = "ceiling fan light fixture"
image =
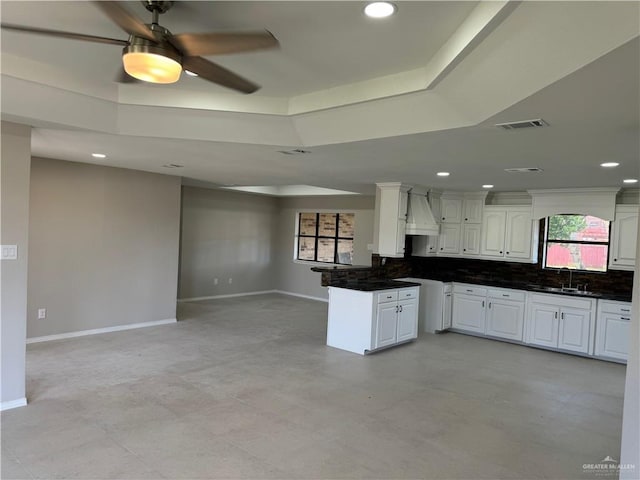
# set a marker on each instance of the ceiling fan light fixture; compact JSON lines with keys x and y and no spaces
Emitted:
{"x":152,"y":64}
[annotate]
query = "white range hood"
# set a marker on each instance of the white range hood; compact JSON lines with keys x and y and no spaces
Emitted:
{"x":420,"y":220}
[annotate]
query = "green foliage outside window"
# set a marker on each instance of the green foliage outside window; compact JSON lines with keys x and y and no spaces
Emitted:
{"x":561,"y":227}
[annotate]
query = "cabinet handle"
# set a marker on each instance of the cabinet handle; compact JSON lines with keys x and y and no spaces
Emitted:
{"x":505,"y":295}
{"x":555,"y":315}
{"x":443,"y":218}
{"x":625,"y":310}
{"x":507,"y":253}
{"x":469,"y":290}
{"x":615,"y":259}
{"x":466,"y":219}
{"x":464,"y":249}
{"x":489,"y":304}
{"x":482,"y":303}
{"x":400,"y":307}
{"x":625,"y":318}
{"x":562,"y":315}
{"x":500,"y":251}
{"x":396,"y":308}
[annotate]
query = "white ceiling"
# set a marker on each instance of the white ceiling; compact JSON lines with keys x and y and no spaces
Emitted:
{"x":527,"y":63}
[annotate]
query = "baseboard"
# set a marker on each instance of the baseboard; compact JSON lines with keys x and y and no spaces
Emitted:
{"x":263,"y":292}
{"x":95,"y":331}
{"x":309,"y":297}
{"x":229,"y":295}
{"x":21,"y":402}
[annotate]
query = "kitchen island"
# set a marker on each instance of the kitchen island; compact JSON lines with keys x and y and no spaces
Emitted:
{"x":366,"y":316}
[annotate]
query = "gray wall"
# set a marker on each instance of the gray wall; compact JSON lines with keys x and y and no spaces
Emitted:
{"x":103,"y":247}
{"x":226,"y":235}
{"x":14,"y":228}
{"x":296,"y":277}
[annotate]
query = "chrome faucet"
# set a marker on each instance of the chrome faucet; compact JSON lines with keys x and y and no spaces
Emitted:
{"x":570,"y":276}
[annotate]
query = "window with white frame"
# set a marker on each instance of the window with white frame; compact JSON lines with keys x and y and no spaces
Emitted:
{"x":576,"y":242}
{"x":325,"y":237}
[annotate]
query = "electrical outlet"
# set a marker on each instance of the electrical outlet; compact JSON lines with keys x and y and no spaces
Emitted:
{"x":215,"y":281}
{"x":230,"y":280}
{"x":42,"y":313}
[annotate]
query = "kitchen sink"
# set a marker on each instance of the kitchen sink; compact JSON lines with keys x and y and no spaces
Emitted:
{"x":571,"y":290}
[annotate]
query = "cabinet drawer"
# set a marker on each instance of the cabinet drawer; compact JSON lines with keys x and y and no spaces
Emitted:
{"x":516,"y":295}
{"x":408,"y":293}
{"x":470,"y":290}
{"x":388,"y":296}
{"x":621,"y":308}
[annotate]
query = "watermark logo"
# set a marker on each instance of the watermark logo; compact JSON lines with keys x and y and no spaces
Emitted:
{"x":607,"y":467}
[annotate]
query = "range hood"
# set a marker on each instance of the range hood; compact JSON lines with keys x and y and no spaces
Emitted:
{"x":420,"y":220}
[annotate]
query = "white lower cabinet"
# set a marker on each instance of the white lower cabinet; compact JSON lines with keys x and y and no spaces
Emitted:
{"x":612,"y":330}
{"x":469,"y":311}
{"x":561,"y":322}
{"x":362,"y":322}
{"x":505,"y":314}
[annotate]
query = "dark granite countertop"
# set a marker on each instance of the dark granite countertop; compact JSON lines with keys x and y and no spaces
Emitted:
{"x":342,"y":268}
{"x":541,"y":289}
{"x":374,"y":285}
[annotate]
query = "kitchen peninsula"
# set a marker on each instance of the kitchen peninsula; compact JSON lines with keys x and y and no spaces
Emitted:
{"x":369,"y":315}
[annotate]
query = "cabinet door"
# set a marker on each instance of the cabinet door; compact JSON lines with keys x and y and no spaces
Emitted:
{"x":449,"y":238}
{"x":493,"y":230}
{"x":473,"y":210}
{"x":471,"y":239}
{"x":400,"y":236}
{"x":407,"y":320}
{"x":612,"y":336}
{"x":468,"y":313}
{"x":517,"y":242}
{"x":386,"y":324}
{"x":574,"y":329}
{"x":505,"y":319}
{"x":451,"y":210}
{"x":543,"y":325}
{"x":446,"y":311}
{"x":623,"y":239}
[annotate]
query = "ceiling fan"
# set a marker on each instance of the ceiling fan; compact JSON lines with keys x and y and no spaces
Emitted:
{"x":153,"y":54}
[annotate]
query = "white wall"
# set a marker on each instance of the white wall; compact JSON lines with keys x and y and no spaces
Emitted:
{"x":14,"y":229}
{"x":226,"y":235}
{"x":294,"y":277}
{"x":103,"y":247}
{"x":630,"y":447}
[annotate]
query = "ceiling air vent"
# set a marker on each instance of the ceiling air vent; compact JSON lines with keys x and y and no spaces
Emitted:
{"x":538,"y":122}
{"x":523,"y":170}
{"x":295,"y":151}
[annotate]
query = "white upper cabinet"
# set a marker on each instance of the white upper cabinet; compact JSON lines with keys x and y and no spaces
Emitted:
{"x":493,"y":229}
{"x":472,"y":209}
{"x":449,"y":238}
{"x":391,"y":216}
{"x":509,"y":233}
{"x":450,"y":209}
{"x":624,"y":233}
{"x":471,"y":239}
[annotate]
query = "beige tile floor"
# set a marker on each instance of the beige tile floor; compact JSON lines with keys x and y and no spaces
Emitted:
{"x":246,"y":389}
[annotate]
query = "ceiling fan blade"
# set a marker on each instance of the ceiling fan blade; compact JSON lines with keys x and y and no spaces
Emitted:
{"x":60,"y":34}
{"x":125,"y":20}
{"x":217,"y":74}
{"x":221,"y":43}
{"x":124,"y":77}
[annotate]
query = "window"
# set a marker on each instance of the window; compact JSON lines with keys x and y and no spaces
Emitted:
{"x":325,"y":237}
{"x":577,"y":242}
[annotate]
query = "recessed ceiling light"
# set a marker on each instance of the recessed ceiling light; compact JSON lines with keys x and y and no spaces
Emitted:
{"x":379,"y":9}
{"x":443,"y":174}
{"x":609,"y":164}
{"x":487,"y":186}
{"x":630,"y":180}
{"x":98,"y":155}
{"x":191,"y":74}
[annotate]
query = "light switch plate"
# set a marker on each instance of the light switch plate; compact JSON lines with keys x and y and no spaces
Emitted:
{"x":9,"y":252}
